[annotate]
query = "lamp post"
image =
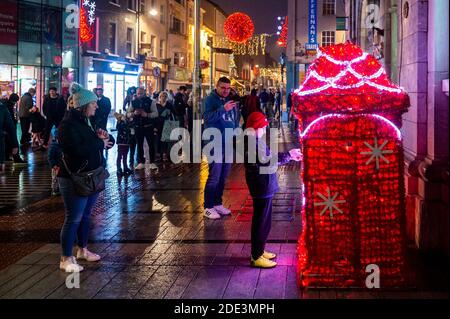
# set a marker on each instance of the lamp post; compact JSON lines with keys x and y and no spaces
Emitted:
{"x":195,"y":139}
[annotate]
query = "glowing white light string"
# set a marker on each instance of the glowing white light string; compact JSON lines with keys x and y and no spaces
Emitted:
{"x":331,"y":82}
{"x":320,"y":119}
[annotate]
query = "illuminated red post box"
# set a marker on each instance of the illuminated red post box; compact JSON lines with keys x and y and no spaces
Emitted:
{"x":353,"y":218}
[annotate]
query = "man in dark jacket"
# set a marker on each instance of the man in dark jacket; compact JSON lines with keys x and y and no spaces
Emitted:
{"x":6,"y":125}
{"x":104,"y":108}
{"x":10,"y":104}
{"x":145,"y":114}
{"x":221,"y":113}
{"x":26,"y":104}
{"x":54,"y":112}
{"x":180,"y":105}
{"x":264,"y":99}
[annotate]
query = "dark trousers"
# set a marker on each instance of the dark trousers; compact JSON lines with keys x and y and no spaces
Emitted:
{"x":25,"y":128}
{"x":132,"y":150}
{"x":149,"y":135}
{"x":49,"y":123}
{"x":261,"y":224}
{"x":215,"y":184}
{"x":122,"y":154}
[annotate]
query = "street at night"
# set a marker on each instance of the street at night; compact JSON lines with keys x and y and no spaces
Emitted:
{"x":255,"y":151}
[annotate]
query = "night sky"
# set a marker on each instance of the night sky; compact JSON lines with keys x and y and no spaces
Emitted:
{"x":264,"y":14}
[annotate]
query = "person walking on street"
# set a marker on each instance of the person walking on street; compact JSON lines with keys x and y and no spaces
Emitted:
{"x":264,"y":99}
{"x":82,"y":148}
{"x":6,"y":125}
{"x":104,"y":108}
{"x":165,"y":112}
{"x":123,"y":144}
{"x":145,"y":114}
{"x":54,"y":112}
{"x":11,"y":105}
{"x":262,"y":186}
{"x":25,"y":105}
{"x":220,"y":113}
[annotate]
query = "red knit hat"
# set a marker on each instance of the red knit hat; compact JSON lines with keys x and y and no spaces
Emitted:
{"x":257,"y":120}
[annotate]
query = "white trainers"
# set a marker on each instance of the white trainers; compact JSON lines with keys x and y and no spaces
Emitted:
{"x":152,"y":166}
{"x":140,"y":166}
{"x":222,"y":210}
{"x":83,"y":253}
{"x":70,"y":265}
{"x":211,"y":213}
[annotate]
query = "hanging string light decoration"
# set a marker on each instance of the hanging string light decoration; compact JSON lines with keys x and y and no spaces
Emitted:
{"x":238,"y":27}
{"x":282,"y":39}
{"x":353,"y":187}
{"x":87,"y":19}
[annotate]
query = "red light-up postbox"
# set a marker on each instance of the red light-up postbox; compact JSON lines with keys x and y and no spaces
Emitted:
{"x":353,"y":189}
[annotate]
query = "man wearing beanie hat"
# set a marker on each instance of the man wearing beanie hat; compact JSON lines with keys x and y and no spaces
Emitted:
{"x":262,"y":187}
{"x":82,"y":148}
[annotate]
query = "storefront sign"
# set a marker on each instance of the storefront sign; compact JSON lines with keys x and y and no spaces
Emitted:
{"x":102,"y":66}
{"x":8,"y":22}
{"x":312,"y":22}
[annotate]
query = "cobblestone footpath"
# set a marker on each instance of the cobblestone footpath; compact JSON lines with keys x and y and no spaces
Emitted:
{"x":155,"y":242}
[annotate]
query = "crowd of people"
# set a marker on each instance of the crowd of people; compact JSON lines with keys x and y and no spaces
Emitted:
{"x":74,"y":131}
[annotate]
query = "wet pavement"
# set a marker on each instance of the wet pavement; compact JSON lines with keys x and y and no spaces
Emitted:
{"x":154,"y":241}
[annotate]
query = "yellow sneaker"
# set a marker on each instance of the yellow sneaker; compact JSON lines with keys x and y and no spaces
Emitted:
{"x":269,"y":255}
{"x":262,"y":262}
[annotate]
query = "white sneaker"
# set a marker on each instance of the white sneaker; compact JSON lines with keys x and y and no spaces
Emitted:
{"x":83,"y":253}
{"x":222,"y":210}
{"x":211,"y":213}
{"x":139,"y":166}
{"x":152,"y":166}
{"x":70,"y":265}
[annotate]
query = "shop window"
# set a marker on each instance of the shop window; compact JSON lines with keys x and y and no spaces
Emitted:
{"x":328,"y":7}
{"x":328,"y":38}
{"x":51,"y":37}
{"x":30,"y":34}
{"x":112,"y":37}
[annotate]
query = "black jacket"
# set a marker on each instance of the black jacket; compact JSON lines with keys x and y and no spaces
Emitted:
{"x":102,"y":113}
{"x":259,"y":184}
{"x":82,"y":149}
{"x":53,"y":109}
{"x":123,"y":133}
{"x":145,"y":103}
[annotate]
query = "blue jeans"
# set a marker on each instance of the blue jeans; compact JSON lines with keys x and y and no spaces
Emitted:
{"x":215,"y":184}
{"x":76,"y":222}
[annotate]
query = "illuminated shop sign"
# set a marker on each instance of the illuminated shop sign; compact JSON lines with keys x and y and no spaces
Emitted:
{"x":102,"y":66}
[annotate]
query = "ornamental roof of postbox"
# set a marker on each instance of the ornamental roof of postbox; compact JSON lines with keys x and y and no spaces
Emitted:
{"x":344,"y":79}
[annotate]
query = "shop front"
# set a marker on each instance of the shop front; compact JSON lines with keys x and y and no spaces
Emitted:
{"x":37,"y":48}
{"x":154,"y":76}
{"x":114,"y":77}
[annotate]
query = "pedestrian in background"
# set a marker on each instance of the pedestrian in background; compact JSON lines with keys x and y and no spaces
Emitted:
{"x":6,"y":125}
{"x":123,"y":144}
{"x":25,"y":105}
{"x":102,"y":113}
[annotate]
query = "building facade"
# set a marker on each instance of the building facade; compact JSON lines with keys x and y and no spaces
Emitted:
{"x":322,"y":22}
{"x":38,"y":46}
{"x":152,"y":43}
{"x":411,"y":39}
{"x":110,"y":59}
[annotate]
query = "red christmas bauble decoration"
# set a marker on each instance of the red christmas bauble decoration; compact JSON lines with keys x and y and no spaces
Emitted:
{"x":238,"y":27}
